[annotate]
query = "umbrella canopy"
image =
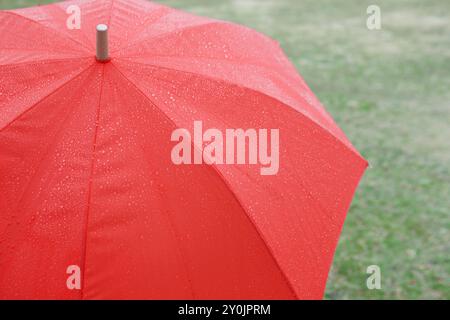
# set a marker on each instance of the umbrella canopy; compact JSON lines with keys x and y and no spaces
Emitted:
{"x":89,"y":174}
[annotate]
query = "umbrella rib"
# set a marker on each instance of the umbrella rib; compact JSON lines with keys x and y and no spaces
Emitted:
{"x":42,"y":61}
{"x":84,"y":34}
{"x":248,"y":62}
{"x":110,"y":13}
{"x":225,"y":181}
{"x":52,"y":142}
{"x":212,"y":78}
{"x":174,"y":232}
{"x":182,"y":255}
{"x":161,"y":36}
{"x":43,"y":98}
{"x":48,"y":28}
{"x":165,"y":10}
{"x":89,"y":188}
{"x":303,"y":186}
{"x":32,"y":50}
{"x":266,"y":67}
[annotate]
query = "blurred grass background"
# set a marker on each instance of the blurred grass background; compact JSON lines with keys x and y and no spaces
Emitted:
{"x":390,"y":92}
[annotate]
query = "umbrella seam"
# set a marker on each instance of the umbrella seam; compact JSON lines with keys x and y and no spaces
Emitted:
{"x":304,"y":189}
{"x":84,"y":34}
{"x":110,"y":13}
{"x":42,"y":61}
{"x":303,"y":186}
{"x":166,"y":11}
{"x":33,"y":50}
{"x":162,"y":36}
{"x":282,"y":77}
{"x":318,"y":203}
{"x":43,"y":98}
{"x":181,"y":256}
{"x":225,"y":181}
{"x":266,"y":67}
{"x":48,"y":28}
{"x":211,"y":78}
{"x":89,"y":189}
{"x":58,"y":131}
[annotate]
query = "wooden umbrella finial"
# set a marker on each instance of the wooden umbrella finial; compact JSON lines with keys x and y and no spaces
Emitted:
{"x":102,"y":43}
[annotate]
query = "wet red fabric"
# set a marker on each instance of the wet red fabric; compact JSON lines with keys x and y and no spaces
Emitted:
{"x":86,"y":176}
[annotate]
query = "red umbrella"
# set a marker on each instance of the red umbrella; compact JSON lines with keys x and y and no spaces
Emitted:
{"x":188,"y":161}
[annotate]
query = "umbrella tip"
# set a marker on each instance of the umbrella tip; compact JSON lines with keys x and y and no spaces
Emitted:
{"x":102,"y":43}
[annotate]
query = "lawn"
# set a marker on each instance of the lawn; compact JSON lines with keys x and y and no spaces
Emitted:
{"x":389,"y":91}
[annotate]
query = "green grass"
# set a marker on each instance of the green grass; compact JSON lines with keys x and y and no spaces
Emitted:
{"x":389,"y":91}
